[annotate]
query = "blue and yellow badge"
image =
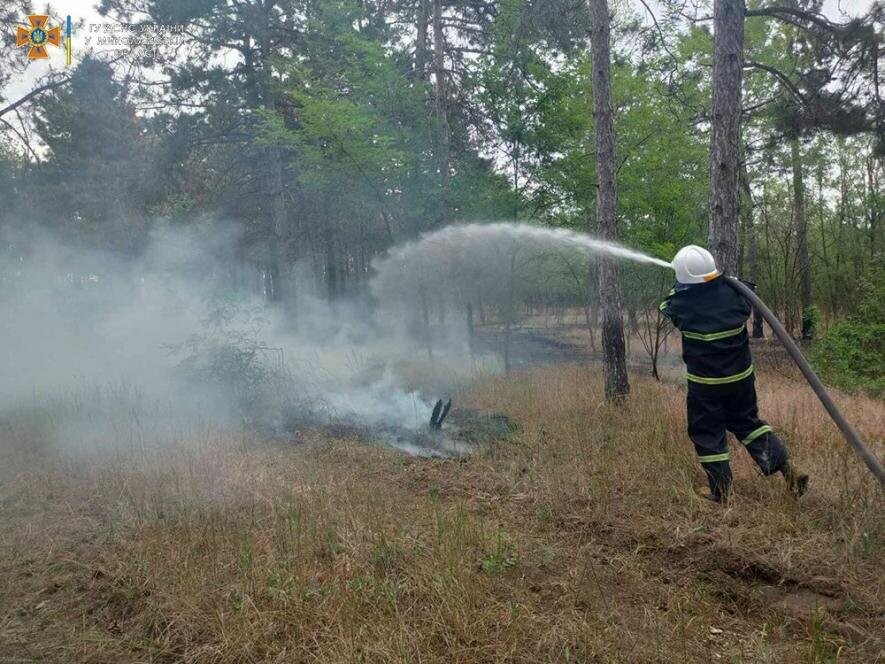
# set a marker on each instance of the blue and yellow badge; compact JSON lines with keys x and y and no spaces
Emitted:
{"x":38,"y":36}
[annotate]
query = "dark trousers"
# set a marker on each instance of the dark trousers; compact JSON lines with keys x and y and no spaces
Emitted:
{"x":715,"y":409}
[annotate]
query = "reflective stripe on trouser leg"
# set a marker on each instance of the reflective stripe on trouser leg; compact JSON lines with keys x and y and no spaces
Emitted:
{"x":756,"y":435}
{"x":768,"y":451}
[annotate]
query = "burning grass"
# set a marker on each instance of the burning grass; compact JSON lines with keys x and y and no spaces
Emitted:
{"x":580,"y":537}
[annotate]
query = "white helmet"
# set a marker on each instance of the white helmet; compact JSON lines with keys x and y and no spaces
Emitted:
{"x":694,"y":265}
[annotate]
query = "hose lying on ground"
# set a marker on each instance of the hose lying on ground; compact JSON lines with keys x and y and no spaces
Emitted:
{"x":847,"y":430}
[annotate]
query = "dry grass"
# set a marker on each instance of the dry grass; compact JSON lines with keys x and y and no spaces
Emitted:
{"x":579,"y":539}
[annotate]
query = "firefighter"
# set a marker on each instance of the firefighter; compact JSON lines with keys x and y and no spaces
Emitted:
{"x":712,"y":317}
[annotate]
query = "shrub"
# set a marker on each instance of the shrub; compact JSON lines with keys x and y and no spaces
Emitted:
{"x":810,"y":322}
{"x":230,"y":359}
{"x":851,"y":355}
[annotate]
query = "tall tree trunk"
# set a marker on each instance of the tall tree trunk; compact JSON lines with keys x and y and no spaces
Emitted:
{"x":824,"y":239}
{"x":749,"y":225}
{"x":440,"y":106}
{"x":277,"y":214}
{"x":874,"y":204}
{"x":802,"y":240}
{"x":277,"y":217}
{"x":592,"y":299}
{"x":425,"y":320}
{"x":511,"y":311}
{"x":471,"y":332}
{"x":728,"y":60}
{"x":613,"y":351}
{"x":332,"y":274}
{"x":421,"y":23}
{"x":758,"y":329}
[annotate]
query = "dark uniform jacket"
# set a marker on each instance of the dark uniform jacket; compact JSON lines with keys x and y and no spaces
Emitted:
{"x":712,"y":317}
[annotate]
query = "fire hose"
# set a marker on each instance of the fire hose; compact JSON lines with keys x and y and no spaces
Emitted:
{"x":847,"y":430}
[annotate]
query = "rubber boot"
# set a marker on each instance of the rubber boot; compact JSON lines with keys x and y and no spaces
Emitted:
{"x":797,"y":481}
{"x":721,"y":499}
{"x":720,"y":489}
{"x":719,"y":481}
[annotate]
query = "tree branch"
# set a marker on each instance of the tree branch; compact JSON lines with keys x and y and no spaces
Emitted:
{"x":660,"y":32}
{"x":34,"y":93}
{"x":22,"y":138}
{"x":51,"y":85}
{"x":782,"y":77}
{"x":812,"y":17}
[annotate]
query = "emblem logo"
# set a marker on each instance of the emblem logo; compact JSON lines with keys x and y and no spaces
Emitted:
{"x":38,"y":37}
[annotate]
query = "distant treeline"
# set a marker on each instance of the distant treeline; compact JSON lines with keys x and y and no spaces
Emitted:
{"x":329,"y":131}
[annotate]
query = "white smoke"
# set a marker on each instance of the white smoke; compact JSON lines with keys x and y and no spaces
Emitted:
{"x":138,"y":332}
{"x":166,"y":337}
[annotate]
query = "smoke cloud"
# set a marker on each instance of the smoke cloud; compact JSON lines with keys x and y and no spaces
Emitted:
{"x":166,"y":333}
{"x":171,"y":337}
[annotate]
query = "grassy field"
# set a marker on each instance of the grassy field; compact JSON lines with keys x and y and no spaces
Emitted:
{"x":580,"y":538}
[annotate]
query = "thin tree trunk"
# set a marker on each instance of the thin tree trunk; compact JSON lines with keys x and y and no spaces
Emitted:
{"x":874,"y":205}
{"x":802,"y":240}
{"x":613,"y":351}
{"x":632,"y":328}
{"x":275,"y":224}
{"x":824,"y":240}
{"x":440,"y":105}
{"x":758,"y":331}
{"x":471,"y":333}
{"x":277,"y":217}
{"x":728,"y":31}
{"x":660,"y":339}
{"x":592,"y":300}
{"x":510,"y":312}
{"x":752,"y":249}
{"x":841,"y":222}
{"x":421,"y":39}
{"x":425,"y":320}
{"x":332,"y":274}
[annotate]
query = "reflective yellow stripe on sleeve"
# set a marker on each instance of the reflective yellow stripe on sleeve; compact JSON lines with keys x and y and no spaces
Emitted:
{"x":663,"y":305}
{"x":723,"y":380}
{"x":713,"y":458}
